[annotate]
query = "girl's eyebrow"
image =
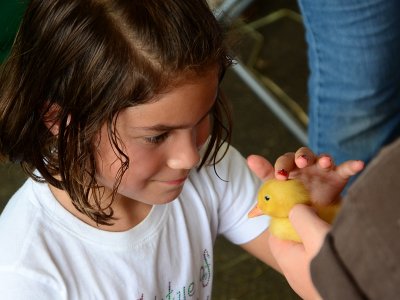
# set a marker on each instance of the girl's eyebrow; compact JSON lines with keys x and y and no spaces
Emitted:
{"x":163,"y":127}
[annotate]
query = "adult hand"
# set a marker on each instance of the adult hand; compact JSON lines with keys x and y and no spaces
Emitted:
{"x":294,"y":258}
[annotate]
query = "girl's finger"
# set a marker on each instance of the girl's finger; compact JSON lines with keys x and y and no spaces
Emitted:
{"x":284,"y":164}
{"x":304,"y":157}
{"x":326,"y":162}
{"x":260,"y":166}
{"x":349,"y":168}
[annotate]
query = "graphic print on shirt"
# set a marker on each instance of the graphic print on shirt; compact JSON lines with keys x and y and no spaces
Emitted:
{"x":190,"y":290}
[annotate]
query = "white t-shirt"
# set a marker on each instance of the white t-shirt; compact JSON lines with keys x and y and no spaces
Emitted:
{"x":47,"y":253}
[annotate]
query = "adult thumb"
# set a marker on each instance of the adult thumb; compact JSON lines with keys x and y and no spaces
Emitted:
{"x":311,"y":228}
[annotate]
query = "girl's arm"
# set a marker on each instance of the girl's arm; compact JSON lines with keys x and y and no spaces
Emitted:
{"x":259,"y":248}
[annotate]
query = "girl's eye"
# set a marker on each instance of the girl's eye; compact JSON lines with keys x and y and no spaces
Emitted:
{"x":156,"y":139}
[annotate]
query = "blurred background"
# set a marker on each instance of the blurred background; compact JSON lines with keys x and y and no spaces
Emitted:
{"x":271,"y":49}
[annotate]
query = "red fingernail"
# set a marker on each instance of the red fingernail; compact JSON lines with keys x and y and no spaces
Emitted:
{"x":283,"y":172}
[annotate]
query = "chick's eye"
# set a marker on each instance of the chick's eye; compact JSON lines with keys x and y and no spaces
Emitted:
{"x":267,"y":198}
{"x":156,"y":139}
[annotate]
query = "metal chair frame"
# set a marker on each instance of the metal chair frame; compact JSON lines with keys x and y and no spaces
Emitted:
{"x":296,"y":125}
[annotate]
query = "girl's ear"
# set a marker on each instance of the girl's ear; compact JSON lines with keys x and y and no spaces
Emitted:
{"x":51,"y":118}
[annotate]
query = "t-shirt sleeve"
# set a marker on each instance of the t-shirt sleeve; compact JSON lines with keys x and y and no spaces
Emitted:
{"x":15,"y":286}
{"x":237,"y":196}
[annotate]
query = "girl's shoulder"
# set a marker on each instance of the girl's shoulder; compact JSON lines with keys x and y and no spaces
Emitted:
{"x":228,"y":163}
{"x":226,"y":191}
{"x":18,"y":221}
{"x":231,"y":172}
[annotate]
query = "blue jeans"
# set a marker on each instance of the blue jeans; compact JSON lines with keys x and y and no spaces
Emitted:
{"x":354,"y":84}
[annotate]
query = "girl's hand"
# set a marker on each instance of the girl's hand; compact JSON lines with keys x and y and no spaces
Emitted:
{"x":294,"y":258}
{"x":325,"y":181}
{"x":320,"y":175}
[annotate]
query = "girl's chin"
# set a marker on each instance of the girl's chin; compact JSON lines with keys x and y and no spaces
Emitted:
{"x":168,"y":198}
{"x":163,"y":198}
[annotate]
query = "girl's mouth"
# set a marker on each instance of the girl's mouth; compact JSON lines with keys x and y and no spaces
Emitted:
{"x":175,"y":182}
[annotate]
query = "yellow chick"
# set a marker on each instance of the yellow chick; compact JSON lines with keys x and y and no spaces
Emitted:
{"x":277,"y":197}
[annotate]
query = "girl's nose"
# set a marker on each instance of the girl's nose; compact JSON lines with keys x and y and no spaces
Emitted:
{"x":184,"y":155}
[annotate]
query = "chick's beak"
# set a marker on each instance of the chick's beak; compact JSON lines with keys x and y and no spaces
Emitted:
{"x":255,"y":212}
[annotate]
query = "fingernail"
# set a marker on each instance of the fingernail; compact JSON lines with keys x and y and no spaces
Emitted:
{"x":304,"y":156}
{"x":283,"y":172}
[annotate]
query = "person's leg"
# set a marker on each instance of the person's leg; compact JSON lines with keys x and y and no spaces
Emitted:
{"x":354,"y":86}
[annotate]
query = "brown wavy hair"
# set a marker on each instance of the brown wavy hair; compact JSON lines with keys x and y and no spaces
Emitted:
{"x":93,"y":58}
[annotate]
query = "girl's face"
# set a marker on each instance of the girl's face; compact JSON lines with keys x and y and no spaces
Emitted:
{"x":162,"y":140}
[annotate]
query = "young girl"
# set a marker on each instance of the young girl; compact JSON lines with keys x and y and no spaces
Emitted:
{"x":113,"y":108}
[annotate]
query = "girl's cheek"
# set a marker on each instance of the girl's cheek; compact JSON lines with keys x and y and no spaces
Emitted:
{"x":203,"y":133}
